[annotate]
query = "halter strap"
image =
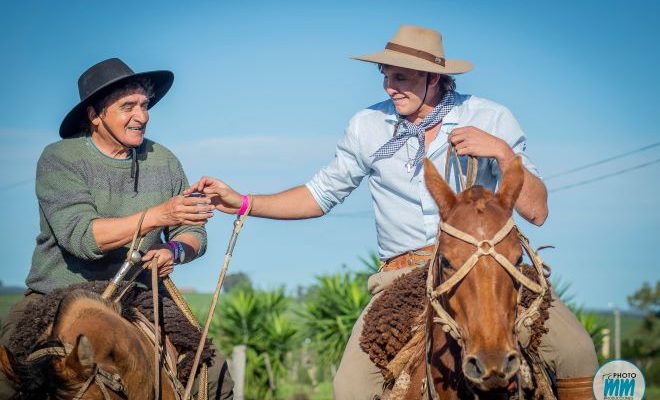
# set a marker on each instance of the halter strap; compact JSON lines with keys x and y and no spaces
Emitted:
{"x":484,"y":248}
{"x":99,"y":376}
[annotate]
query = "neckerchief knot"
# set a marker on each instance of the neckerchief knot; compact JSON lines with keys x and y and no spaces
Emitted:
{"x":406,"y":129}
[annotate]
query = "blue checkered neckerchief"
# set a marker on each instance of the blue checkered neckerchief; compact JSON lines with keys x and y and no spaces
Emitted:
{"x":406,"y":129}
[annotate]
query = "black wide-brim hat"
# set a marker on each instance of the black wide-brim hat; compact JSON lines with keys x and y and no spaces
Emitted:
{"x":100,"y":79}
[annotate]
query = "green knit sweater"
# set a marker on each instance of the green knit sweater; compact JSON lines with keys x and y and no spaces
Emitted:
{"x":76,"y":184}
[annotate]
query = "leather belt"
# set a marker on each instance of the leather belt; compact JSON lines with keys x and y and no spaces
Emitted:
{"x":412,"y":258}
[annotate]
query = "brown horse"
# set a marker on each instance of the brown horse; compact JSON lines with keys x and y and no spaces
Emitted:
{"x":484,"y":303}
{"x":456,"y":340}
{"x":90,"y":352}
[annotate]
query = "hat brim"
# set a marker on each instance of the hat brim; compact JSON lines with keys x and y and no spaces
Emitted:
{"x":161,"y":80}
{"x":394,"y":58}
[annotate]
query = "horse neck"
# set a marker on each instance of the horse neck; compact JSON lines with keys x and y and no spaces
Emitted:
{"x":133,"y":352}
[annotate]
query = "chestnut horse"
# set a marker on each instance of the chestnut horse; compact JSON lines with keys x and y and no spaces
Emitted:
{"x":473,"y":289}
{"x":462,"y":342}
{"x":90,"y":352}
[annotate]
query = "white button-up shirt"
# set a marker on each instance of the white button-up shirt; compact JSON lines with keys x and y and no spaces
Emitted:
{"x":406,"y":215}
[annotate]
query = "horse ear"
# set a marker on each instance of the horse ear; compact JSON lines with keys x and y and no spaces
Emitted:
{"x":7,"y":363}
{"x":444,"y":197}
{"x":513,"y":178}
{"x":81,"y":357}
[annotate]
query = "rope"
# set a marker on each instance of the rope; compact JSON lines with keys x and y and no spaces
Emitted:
{"x":238,"y":224}
{"x":85,"y":386}
{"x":57,"y":351}
{"x":131,"y":259}
{"x":153,"y":265}
{"x":180,"y":301}
{"x":174,"y":293}
{"x":202,"y":391}
{"x":464,"y":181}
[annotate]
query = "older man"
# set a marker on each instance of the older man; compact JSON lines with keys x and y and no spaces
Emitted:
{"x":95,"y":183}
{"x":385,"y":143}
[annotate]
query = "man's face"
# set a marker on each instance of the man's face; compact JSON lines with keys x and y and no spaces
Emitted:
{"x":406,"y":88}
{"x":126,"y":115}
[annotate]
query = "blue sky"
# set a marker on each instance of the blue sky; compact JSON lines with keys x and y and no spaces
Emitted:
{"x":263,"y":90}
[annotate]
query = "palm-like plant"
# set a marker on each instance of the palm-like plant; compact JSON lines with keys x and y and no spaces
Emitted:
{"x":330,"y":312}
{"x":260,"y":321}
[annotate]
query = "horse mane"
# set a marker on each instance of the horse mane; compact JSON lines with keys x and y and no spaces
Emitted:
{"x":40,"y":315}
{"x":37,"y":378}
{"x":388,"y":323}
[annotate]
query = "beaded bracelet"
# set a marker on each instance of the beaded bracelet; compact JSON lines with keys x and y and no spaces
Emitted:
{"x":178,"y":251}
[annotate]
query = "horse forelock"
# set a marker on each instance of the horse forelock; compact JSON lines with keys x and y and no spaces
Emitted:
{"x":477,"y":212}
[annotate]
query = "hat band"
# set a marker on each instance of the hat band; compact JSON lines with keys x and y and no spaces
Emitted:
{"x":415,"y":53}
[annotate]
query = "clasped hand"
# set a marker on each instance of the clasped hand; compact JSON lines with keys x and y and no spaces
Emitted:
{"x":220,"y":195}
{"x":184,"y":210}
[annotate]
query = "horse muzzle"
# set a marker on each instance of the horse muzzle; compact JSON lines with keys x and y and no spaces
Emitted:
{"x":489,"y":371}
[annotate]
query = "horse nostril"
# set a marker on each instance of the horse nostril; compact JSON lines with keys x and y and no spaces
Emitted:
{"x":511,"y":365}
{"x":474,"y":369}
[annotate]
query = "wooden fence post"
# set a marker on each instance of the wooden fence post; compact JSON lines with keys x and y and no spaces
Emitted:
{"x":238,"y":362}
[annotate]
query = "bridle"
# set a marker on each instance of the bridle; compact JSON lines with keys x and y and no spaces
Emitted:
{"x":484,"y":248}
{"x":103,"y":379}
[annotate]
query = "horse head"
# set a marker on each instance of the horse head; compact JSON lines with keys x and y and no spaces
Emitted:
{"x":92,"y":353}
{"x":482,"y":304}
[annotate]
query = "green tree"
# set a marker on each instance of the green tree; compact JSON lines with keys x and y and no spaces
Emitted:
{"x":235,"y":280}
{"x":645,"y":347}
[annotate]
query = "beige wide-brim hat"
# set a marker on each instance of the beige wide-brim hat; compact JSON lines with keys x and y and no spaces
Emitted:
{"x":417,"y":48}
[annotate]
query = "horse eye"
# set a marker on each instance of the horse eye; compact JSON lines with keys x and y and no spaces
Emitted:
{"x":446,"y":264}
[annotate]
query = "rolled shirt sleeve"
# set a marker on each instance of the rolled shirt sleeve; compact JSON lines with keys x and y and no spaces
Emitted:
{"x":508,"y":129}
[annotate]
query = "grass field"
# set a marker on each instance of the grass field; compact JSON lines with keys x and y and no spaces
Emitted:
{"x":6,"y":301}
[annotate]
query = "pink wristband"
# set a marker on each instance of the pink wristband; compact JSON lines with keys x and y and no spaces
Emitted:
{"x":244,"y":205}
